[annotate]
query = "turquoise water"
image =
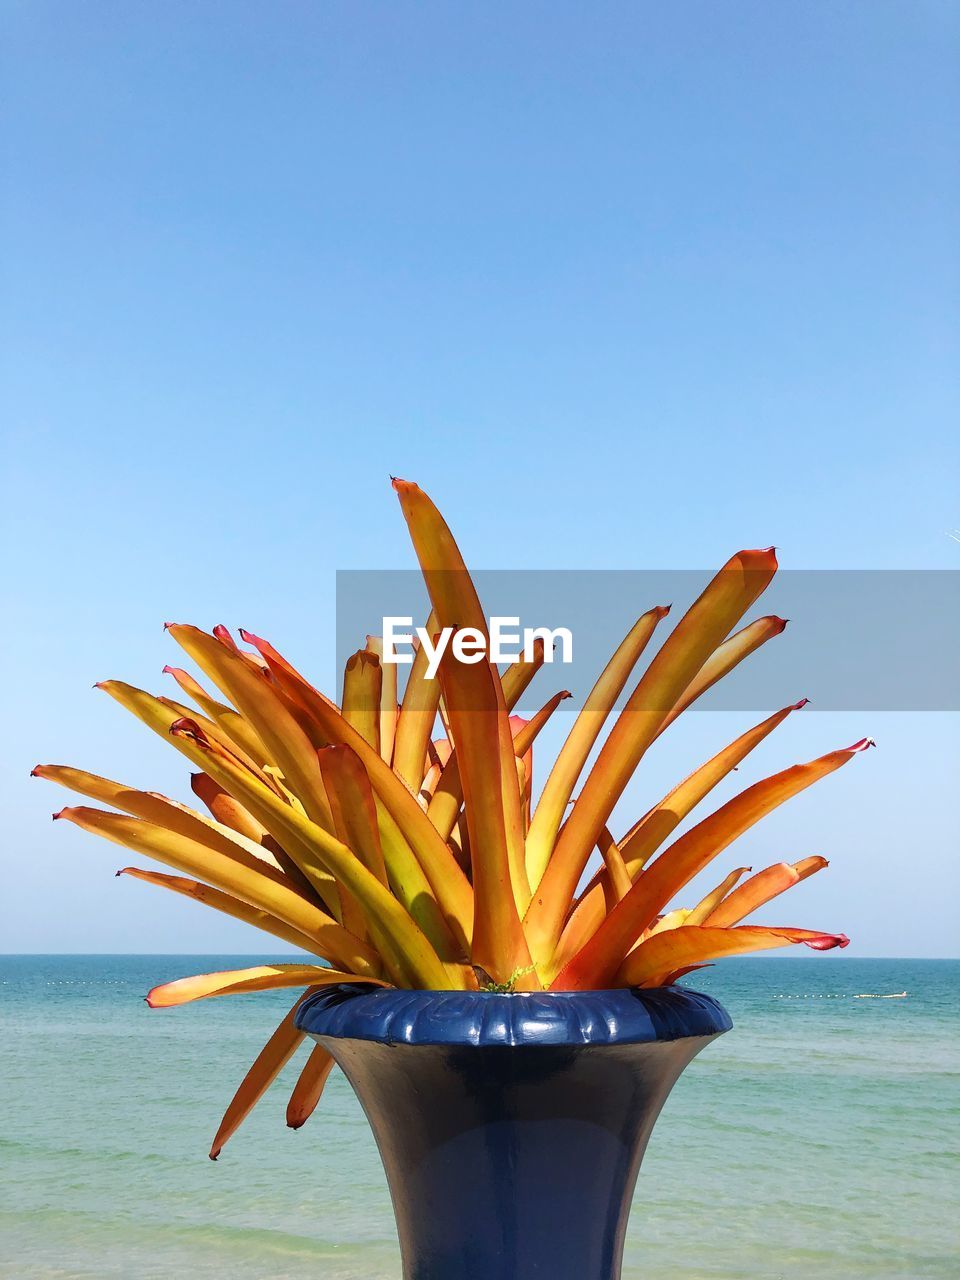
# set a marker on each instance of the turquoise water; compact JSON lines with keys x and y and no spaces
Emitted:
{"x":819,"y":1137}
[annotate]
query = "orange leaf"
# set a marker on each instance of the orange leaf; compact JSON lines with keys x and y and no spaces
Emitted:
{"x":388,"y":699}
{"x":352,"y":802}
{"x":498,"y":944}
{"x":444,"y":878}
{"x":331,"y":940}
{"x":309,"y":1087}
{"x":169,"y":814}
{"x":723,"y":660}
{"x":654,"y":827}
{"x":476,"y":707}
{"x":725,"y":600}
{"x":757,"y":891}
{"x":231,"y":813}
{"x":525,"y":732}
{"x":229,"y":720}
{"x":289,"y":746}
{"x":225,"y":809}
{"x":418,"y":714}
{"x":447,"y":794}
{"x":270,"y":1061}
{"x":652,"y":961}
{"x":707,"y":903}
{"x":618,"y":876}
{"x":362,"y":686}
{"x":596,"y":964}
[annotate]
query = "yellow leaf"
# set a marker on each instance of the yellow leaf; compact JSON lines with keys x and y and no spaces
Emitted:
{"x":332,"y":941}
{"x":552,"y":805}
{"x":224,"y":902}
{"x":261,"y":977}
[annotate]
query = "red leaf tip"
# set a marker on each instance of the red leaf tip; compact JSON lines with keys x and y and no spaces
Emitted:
{"x":864,"y":744}
{"x":827,"y":941}
{"x":191,"y":729}
{"x":248,"y":637}
{"x":798,"y":706}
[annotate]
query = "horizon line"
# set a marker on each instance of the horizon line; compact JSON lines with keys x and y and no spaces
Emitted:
{"x":254,"y":954}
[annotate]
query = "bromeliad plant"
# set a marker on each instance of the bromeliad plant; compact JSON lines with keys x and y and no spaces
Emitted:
{"x":399,"y":858}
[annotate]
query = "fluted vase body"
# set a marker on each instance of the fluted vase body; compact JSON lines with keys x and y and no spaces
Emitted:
{"x":512,"y":1126}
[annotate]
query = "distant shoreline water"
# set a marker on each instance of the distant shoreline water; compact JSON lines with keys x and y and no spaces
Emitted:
{"x":817,"y":1136}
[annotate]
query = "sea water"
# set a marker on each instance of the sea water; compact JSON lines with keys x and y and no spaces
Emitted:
{"x":818,"y":1138}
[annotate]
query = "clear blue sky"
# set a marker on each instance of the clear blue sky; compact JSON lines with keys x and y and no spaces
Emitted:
{"x":621,"y":284}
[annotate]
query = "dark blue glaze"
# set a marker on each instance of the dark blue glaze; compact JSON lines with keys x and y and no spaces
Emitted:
{"x":621,"y":1016}
{"x":511,"y":1127}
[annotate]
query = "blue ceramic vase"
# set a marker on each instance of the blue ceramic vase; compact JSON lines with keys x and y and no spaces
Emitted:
{"x":511,"y":1127}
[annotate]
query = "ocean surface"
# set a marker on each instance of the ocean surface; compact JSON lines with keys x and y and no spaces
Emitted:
{"x":818,"y":1138}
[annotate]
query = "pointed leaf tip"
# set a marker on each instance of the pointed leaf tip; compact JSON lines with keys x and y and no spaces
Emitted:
{"x":798,"y":706}
{"x":864,"y":744}
{"x":751,"y":555}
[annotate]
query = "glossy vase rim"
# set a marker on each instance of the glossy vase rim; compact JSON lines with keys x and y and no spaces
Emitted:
{"x":621,"y":1015}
